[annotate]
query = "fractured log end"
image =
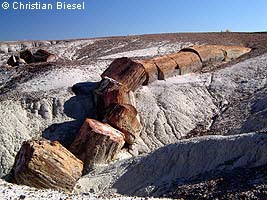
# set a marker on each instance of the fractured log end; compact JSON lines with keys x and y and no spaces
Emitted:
{"x":96,"y":143}
{"x":124,"y":118}
{"x":127,"y":72}
{"x":151,"y":71}
{"x":45,"y":164}
{"x":111,"y":92}
{"x":233,"y":52}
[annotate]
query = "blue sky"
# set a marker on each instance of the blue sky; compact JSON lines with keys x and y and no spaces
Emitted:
{"x":128,"y":17}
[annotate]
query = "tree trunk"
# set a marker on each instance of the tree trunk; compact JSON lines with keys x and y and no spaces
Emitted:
{"x":45,"y":164}
{"x":188,"y":62}
{"x":124,"y":118}
{"x":166,"y":66}
{"x":96,"y":143}
{"x":111,"y":92}
{"x":127,"y":72}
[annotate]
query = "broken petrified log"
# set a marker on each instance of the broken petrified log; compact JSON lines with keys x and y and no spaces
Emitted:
{"x":188,"y":62}
{"x":45,"y":164}
{"x":127,"y":72}
{"x":213,"y":54}
{"x":166,"y":67}
{"x":111,"y":92}
{"x":15,"y":61}
{"x":150,"y":69}
{"x":43,"y":56}
{"x":27,"y":56}
{"x":233,"y":52}
{"x":96,"y":143}
{"x":208,"y":54}
{"x":124,"y":118}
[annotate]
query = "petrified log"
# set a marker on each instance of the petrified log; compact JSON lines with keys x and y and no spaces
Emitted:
{"x":208,"y":54}
{"x":127,"y":72}
{"x":27,"y":56}
{"x":124,"y":118}
{"x":96,"y":143}
{"x":43,"y":56}
{"x":111,"y":92}
{"x":188,"y":62}
{"x":151,"y":71}
{"x":166,"y":67}
{"x":45,"y":164}
{"x":13,"y":61}
{"x":233,"y":52}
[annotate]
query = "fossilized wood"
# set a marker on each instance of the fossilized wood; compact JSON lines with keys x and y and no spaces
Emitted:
{"x":111,"y":92}
{"x":208,"y":54}
{"x":43,"y":56}
{"x":166,"y":67}
{"x":127,"y":72}
{"x":124,"y":118}
{"x":96,"y":143}
{"x":27,"y":56}
{"x":45,"y":164}
{"x":233,"y":52}
{"x":13,"y":61}
{"x":188,"y":62}
{"x":151,"y":71}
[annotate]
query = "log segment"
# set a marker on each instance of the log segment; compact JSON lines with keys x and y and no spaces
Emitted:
{"x":233,"y":52}
{"x":124,"y":118}
{"x":111,"y":92}
{"x":45,"y":164}
{"x":151,"y":71}
{"x":129,"y":73}
{"x":188,"y":62}
{"x":96,"y":143}
{"x":166,"y":67}
{"x":208,"y":54}
{"x":43,"y":56}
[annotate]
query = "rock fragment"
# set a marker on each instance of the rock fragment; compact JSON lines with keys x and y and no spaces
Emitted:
{"x":166,"y":67}
{"x":151,"y":71}
{"x":96,"y":143}
{"x":124,"y":117}
{"x":208,"y":54}
{"x":127,"y":72}
{"x":45,"y":164}
{"x":43,"y":56}
{"x":111,"y":92}
{"x":188,"y":62}
{"x":27,"y":56}
{"x":233,"y":52}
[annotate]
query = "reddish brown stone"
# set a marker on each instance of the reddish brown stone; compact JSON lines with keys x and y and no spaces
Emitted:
{"x":166,"y":67}
{"x":96,"y":143}
{"x":209,"y":54}
{"x":127,"y":72}
{"x":124,"y":118}
{"x":110,"y":92}
{"x":188,"y":62}
{"x":45,"y":164}
{"x":151,"y":71}
{"x":233,"y":52}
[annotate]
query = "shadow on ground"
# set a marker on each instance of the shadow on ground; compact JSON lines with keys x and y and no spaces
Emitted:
{"x":78,"y":108}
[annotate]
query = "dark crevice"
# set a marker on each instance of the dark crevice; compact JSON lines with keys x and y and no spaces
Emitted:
{"x":160,"y":73}
{"x":177,"y":68}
